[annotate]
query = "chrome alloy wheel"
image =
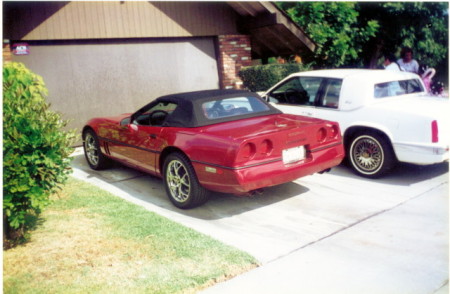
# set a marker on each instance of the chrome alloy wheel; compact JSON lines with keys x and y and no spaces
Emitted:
{"x":367,"y":154}
{"x":178,"y":181}
{"x":91,"y":149}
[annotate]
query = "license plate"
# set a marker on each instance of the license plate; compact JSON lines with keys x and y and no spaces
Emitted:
{"x":293,"y":154}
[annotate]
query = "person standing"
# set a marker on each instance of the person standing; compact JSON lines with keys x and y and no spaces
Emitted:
{"x":389,"y":62}
{"x":406,"y":62}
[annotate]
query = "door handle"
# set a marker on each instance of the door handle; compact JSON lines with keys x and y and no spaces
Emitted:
{"x":153,"y":136}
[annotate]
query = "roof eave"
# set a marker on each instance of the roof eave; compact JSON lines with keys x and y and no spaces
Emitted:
{"x":272,"y":31}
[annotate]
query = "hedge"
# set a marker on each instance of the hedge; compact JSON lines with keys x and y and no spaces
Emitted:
{"x":262,"y":77}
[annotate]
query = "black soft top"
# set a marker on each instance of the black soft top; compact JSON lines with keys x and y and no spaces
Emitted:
{"x":189,"y":112}
{"x":205,"y":94}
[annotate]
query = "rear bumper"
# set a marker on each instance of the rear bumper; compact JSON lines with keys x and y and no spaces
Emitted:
{"x":243,"y":180}
{"x":421,"y":153}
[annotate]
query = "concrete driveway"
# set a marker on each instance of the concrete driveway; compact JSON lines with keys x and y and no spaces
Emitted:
{"x":329,"y":233}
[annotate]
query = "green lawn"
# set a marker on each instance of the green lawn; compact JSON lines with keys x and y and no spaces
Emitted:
{"x":89,"y":241}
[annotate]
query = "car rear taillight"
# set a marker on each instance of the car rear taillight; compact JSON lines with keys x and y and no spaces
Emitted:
{"x":247,"y":151}
{"x":334,"y":131}
{"x":434,"y":132}
{"x":321,"y":135}
{"x":266,"y":147}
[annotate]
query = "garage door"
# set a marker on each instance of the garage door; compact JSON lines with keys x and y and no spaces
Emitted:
{"x":99,"y":79}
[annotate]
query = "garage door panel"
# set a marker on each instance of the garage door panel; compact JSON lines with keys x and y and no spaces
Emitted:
{"x":88,"y":80}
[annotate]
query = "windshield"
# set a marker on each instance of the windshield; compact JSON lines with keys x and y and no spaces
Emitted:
{"x":397,"y":88}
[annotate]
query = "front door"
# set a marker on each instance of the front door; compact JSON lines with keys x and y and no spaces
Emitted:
{"x":140,"y":140}
{"x":300,"y":92}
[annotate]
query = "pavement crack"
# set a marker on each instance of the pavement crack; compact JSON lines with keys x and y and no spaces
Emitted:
{"x":355,"y":223}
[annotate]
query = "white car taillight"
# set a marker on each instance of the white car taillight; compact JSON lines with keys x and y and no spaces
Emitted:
{"x":434,"y":132}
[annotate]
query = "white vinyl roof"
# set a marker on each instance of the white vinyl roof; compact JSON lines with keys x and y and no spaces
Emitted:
{"x":359,"y":81}
{"x":373,"y":75}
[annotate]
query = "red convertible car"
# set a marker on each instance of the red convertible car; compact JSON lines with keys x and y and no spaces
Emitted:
{"x":229,"y":141}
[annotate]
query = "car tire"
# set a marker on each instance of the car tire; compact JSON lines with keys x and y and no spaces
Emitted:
{"x":181,"y":183}
{"x":370,"y":154}
{"x":94,"y":156}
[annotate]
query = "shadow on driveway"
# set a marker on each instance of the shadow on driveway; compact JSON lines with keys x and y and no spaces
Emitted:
{"x":403,"y":174}
{"x":150,"y":189}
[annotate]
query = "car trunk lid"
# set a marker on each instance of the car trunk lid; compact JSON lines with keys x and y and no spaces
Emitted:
{"x":284,"y":137}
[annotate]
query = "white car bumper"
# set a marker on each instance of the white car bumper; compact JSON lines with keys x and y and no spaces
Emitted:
{"x":421,"y":153}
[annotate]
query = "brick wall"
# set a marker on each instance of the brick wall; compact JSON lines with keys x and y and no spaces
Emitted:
{"x":7,"y":55}
{"x":234,"y":53}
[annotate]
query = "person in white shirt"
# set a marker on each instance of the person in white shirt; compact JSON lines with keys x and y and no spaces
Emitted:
{"x":406,"y":62}
{"x":389,"y":62}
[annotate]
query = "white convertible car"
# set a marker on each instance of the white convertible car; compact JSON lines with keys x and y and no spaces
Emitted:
{"x":384,"y":116}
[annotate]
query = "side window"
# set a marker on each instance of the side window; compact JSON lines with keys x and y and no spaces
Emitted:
{"x":397,"y":88}
{"x":298,"y":91}
{"x":312,"y":87}
{"x":331,"y":93}
{"x":412,"y":86}
{"x":156,"y":114}
{"x":388,"y":89}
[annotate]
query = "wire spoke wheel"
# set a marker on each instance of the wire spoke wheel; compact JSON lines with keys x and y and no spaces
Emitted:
{"x":368,"y":154}
{"x":371,"y":154}
{"x":178,"y":181}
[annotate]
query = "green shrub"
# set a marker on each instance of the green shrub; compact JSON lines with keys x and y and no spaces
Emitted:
{"x":262,"y":77}
{"x":35,"y":148}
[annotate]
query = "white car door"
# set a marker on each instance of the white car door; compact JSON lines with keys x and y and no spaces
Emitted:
{"x":327,"y":104}
{"x":309,"y":96}
{"x":296,"y":95}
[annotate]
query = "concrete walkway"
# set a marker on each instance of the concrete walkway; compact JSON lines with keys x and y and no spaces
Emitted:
{"x":331,"y":233}
{"x":401,"y":250}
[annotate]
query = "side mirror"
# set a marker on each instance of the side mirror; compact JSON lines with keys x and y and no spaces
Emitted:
{"x":125,"y":122}
{"x":266,"y":98}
